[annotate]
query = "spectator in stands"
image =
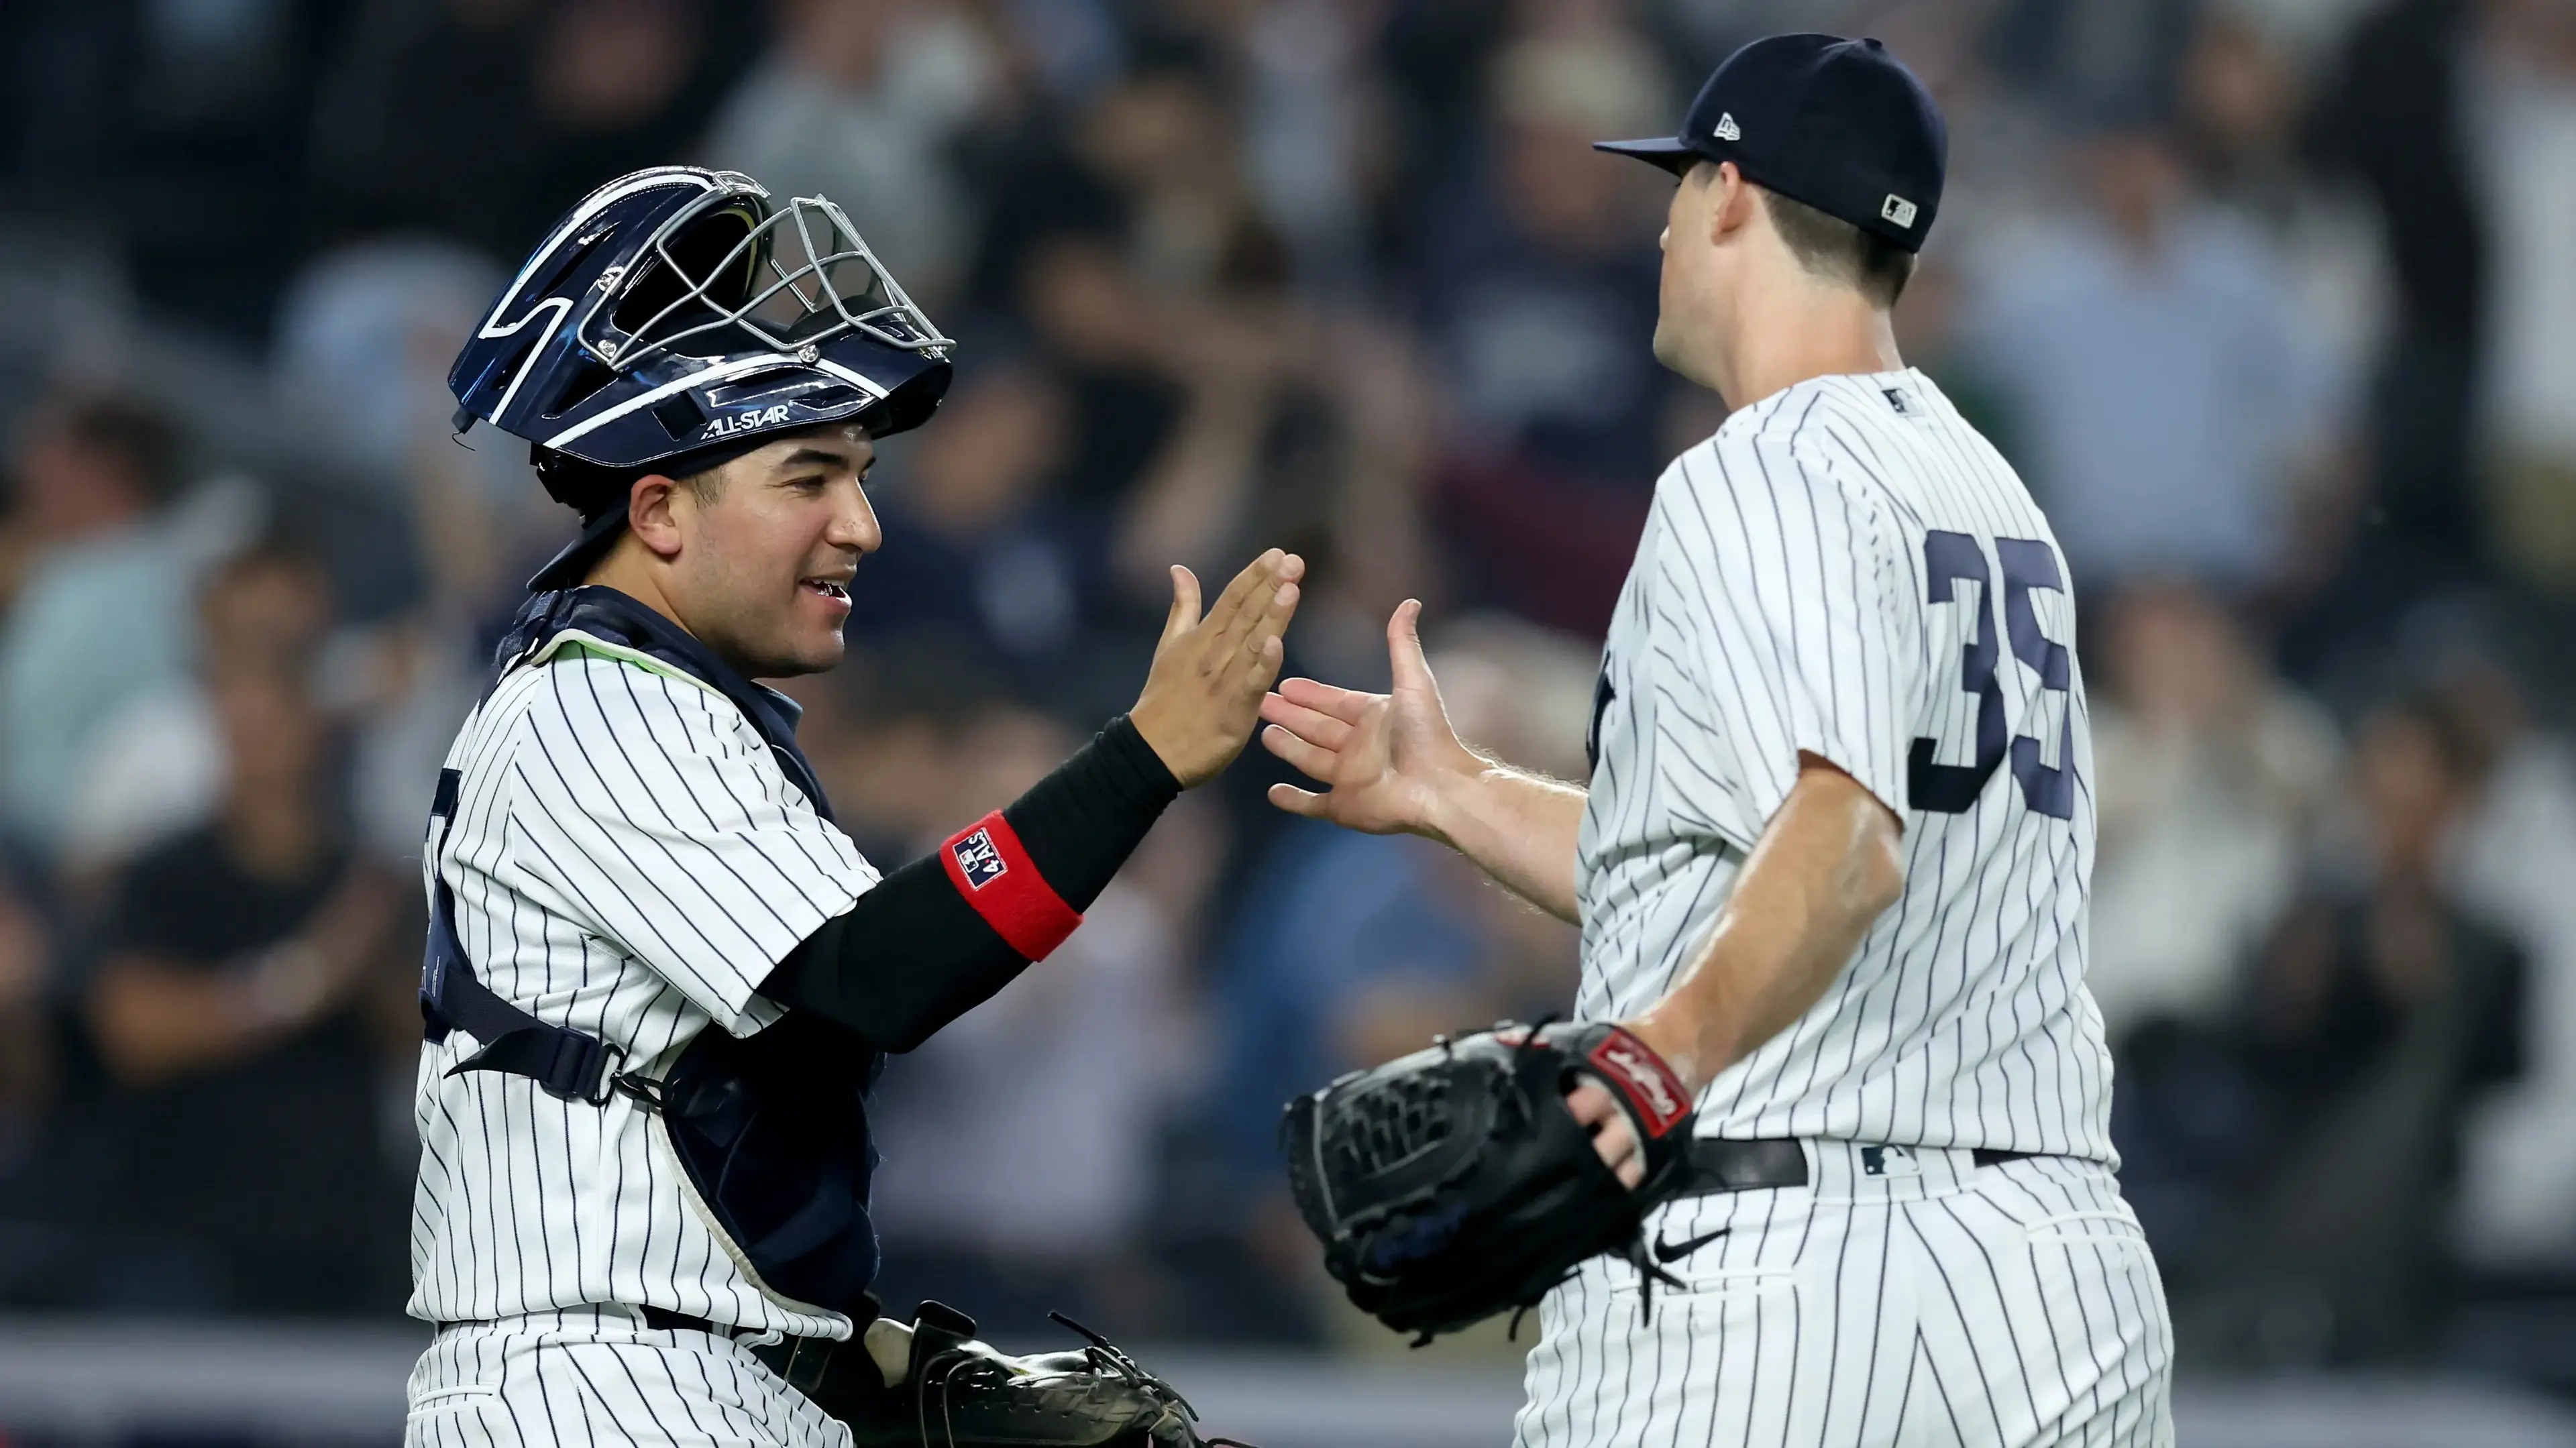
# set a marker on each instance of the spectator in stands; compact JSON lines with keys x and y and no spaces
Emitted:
{"x":2161,"y":393}
{"x":239,"y":964}
{"x":89,"y":629}
{"x":1537,"y":282}
{"x":868,"y":102}
{"x":881,"y":729}
{"x":2395,"y":115}
{"x":182,"y":128}
{"x":158,"y":767}
{"x":973,"y":539}
{"x":28,"y":986}
{"x":1151,"y":286}
{"x":2523,"y":116}
{"x":2212,"y":777}
{"x":1317,"y":149}
{"x":2379,"y":1012}
{"x":2080,"y":58}
{"x":2346,"y":969}
{"x":482,"y":120}
{"x":1372,"y":547}
{"x":625,"y":83}
{"x":2242,"y":97}
{"x":2508,"y":864}
{"x":365,"y":336}
{"x":425,"y":124}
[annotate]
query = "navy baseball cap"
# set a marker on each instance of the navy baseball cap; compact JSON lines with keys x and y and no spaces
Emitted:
{"x":1838,"y":124}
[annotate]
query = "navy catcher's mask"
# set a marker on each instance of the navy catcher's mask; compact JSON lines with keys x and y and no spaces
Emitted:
{"x":677,"y":318}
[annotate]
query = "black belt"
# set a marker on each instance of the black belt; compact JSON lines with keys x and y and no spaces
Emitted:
{"x":799,"y":1360}
{"x":1720,"y":1165}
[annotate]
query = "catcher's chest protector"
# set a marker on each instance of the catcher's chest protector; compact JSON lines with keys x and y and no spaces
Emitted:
{"x":772,"y":1129}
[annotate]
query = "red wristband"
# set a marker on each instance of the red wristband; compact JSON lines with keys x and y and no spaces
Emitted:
{"x":1632,"y":1068}
{"x":987,"y":864}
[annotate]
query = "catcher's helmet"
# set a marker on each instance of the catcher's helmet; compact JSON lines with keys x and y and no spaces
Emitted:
{"x":677,"y":316}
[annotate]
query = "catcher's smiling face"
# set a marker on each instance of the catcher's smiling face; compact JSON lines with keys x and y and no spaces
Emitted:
{"x":755,"y":558}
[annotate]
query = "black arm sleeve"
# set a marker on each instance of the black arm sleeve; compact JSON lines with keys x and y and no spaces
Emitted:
{"x":912,"y":955}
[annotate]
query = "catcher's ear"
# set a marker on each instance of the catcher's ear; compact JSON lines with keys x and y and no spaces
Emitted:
{"x":649,"y":515}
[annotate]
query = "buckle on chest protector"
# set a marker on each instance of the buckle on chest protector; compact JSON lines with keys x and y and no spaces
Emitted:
{"x":566,"y":1065}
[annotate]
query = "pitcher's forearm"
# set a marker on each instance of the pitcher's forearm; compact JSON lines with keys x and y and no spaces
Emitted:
{"x":1518,"y":827}
{"x":1827,"y":866}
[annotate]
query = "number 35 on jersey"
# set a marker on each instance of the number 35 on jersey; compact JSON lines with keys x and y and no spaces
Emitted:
{"x":2028,"y":567}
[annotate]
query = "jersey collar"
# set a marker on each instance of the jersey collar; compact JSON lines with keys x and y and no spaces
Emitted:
{"x":619,"y":624}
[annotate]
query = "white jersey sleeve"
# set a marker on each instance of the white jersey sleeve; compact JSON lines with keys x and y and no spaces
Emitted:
{"x":1787,"y":597}
{"x":650,"y":815}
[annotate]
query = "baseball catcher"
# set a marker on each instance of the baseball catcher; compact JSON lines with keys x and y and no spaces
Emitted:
{"x":660,"y":981}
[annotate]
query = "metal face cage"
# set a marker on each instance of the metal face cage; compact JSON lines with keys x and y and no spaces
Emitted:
{"x":729,"y":272}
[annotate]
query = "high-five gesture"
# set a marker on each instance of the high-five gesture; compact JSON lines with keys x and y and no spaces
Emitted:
{"x":1209,"y":674}
{"x":1380,"y":756}
{"x":1390,"y":763}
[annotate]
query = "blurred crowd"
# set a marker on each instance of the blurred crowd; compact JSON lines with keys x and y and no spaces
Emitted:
{"x":2273,"y":302}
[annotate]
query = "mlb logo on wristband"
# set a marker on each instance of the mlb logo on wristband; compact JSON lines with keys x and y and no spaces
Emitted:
{"x":978,"y":859}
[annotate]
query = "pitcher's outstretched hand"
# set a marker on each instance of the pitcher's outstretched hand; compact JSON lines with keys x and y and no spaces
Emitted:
{"x":1382,"y":758}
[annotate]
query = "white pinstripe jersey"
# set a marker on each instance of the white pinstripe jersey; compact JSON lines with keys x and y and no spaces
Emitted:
{"x":628,"y":860}
{"x":1848,"y":569}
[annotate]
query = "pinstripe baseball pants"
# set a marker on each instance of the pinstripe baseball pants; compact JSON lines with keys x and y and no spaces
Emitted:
{"x":1904,"y":1297}
{"x":593,"y":1378}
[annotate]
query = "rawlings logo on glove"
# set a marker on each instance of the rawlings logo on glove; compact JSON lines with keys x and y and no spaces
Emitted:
{"x":1653,"y":1093}
{"x":1453,"y":1184}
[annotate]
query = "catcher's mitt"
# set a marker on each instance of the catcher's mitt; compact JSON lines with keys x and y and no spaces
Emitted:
{"x":956,"y":1392}
{"x":1453,"y":1183}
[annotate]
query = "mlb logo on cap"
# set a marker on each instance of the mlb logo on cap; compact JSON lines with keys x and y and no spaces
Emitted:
{"x":1898,"y":210}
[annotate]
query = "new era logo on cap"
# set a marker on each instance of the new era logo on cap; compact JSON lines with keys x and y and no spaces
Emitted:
{"x":1726,"y":129}
{"x":1898,"y":210}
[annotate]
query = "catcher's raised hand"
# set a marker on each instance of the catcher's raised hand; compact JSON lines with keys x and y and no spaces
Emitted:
{"x":1205,"y":688}
{"x":1381,"y":757}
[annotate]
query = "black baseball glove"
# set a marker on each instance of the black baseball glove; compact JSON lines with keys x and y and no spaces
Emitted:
{"x":956,"y":1392}
{"x":1452,"y":1184}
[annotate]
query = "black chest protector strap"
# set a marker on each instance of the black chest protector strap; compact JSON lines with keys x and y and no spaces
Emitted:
{"x":567,"y":1064}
